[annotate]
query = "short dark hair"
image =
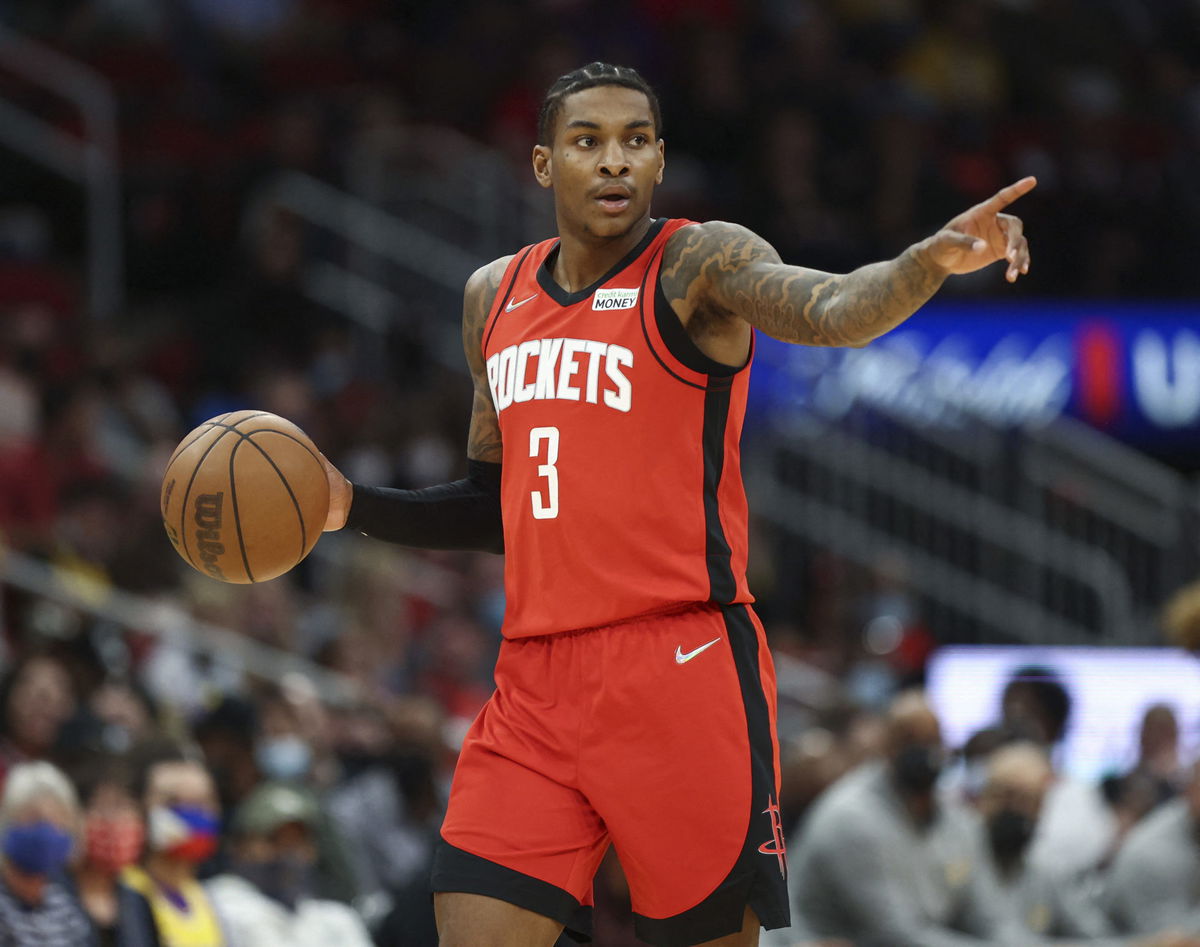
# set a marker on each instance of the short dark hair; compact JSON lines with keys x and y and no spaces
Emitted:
{"x":96,"y":768}
{"x":588,"y":77}
{"x":155,"y":752}
{"x":1045,"y":688}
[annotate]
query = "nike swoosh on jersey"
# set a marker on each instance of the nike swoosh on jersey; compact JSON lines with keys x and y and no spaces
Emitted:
{"x":514,"y":305}
{"x":681,"y":658}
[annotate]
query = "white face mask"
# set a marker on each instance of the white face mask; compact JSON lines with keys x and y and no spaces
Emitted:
{"x":285,"y":759}
{"x":164,"y":828}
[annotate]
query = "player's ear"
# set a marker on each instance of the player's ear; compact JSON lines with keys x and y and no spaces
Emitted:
{"x":662,"y":161}
{"x":541,"y":164}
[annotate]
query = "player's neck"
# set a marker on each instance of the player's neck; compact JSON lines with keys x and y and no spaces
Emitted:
{"x":584,"y":258}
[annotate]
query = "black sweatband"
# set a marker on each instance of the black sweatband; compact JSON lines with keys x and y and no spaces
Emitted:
{"x":464,"y":514}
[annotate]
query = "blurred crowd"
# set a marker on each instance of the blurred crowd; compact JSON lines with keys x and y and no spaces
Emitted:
{"x":153,"y":794}
{"x":270,"y":817}
{"x":839,"y":129}
{"x":900,"y":839}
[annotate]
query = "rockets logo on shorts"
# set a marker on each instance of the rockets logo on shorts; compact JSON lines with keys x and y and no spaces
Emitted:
{"x":776,"y":845}
{"x":562,"y":369}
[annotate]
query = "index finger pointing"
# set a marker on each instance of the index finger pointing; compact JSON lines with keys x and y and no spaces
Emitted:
{"x":1006,"y":195}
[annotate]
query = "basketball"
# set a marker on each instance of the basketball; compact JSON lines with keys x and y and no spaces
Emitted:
{"x":244,"y":497}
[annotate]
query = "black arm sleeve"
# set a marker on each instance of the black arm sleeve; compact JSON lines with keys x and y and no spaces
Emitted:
{"x":464,"y":514}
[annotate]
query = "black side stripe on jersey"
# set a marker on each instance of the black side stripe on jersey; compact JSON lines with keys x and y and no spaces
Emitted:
{"x":499,"y":301}
{"x":721,"y":582}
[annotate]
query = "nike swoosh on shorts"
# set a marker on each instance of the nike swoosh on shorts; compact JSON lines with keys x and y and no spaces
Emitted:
{"x":681,"y":658}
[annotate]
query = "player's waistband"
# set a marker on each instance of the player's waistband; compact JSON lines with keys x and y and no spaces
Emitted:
{"x":669,"y":611}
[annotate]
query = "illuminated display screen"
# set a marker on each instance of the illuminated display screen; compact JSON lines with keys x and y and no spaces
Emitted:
{"x":1130,"y":370}
{"x":1109,"y":689}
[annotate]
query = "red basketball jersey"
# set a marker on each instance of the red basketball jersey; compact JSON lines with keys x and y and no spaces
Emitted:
{"x":622,"y":488}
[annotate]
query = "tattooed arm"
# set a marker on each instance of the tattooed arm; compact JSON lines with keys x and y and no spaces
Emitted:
{"x":721,"y":279}
{"x":464,"y":514}
{"x":483,"y":439}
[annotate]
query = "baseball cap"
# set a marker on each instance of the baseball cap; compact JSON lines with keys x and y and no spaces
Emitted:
{"x":272,"y":805}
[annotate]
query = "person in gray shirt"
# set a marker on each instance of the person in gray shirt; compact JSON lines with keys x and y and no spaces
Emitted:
{"x":1155,"y":878}
{"x":1038,"y":904}
{"x":882,"y":862}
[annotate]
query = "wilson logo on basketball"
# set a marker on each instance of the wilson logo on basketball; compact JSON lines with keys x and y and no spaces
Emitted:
{"x":208,"y":532}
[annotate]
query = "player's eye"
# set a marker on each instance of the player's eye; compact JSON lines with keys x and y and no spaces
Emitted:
{"x":638,"y":140}
{"x":585,"y":141}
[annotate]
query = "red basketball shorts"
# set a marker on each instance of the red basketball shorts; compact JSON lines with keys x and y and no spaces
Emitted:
{"x":655,"y":735}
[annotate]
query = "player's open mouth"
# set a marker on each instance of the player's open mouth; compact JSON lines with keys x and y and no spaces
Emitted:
{"x":614,"y":200}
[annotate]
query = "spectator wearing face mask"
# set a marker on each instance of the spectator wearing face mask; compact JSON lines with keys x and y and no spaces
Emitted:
{"x":882,"y":860}
{"x":39,"y":815}
{"x":289,"y":724}
{"x":1155,"y":878}
{"x":388,"y":810}
{"x":1039,"y":904}
{"x":270,"y":894}
{"x":179,"y":801}
{"x":113,"y":835}
{"x":1156,"y":777}
{"x":1077,"y":829}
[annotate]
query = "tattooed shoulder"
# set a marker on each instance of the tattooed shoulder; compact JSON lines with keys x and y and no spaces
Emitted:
{"x":696,"y":256}
{"x":483,"y":439}
{"x":478,"y":297}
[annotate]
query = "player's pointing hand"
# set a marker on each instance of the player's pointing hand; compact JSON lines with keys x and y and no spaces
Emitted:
{"x":982,"y":235}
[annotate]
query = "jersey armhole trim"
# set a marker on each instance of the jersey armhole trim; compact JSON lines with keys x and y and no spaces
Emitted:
{"x":682,"y":346}
{"x":673,"y":349}
{"x":653,"y":268}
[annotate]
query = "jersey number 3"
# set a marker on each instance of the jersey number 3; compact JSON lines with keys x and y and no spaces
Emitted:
{"x":545,"y":505}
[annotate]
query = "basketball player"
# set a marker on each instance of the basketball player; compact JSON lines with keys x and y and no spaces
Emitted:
{"x":635,"y":700}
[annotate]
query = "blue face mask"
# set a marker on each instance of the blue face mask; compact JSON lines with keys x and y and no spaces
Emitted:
{"x":285,"y":759}
{"x":38,"y":848}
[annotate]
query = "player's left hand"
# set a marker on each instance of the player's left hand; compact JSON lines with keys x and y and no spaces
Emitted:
{"x":982,"y":235}
{"x":341,"y":494}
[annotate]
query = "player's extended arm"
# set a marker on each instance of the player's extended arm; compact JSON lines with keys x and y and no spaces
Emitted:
{"x":732,"y":271}
{"x":464,"y":514}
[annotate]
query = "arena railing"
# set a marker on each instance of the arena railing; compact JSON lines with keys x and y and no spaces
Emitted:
{"x":1088,"y":485}
{"x":961,"y":508}
{"x":1045,"y":535}
{"x":935,"y":578}
{"x":454,"y":186}
{"x":364,"y":223}
{"x":172,"y":625}
{"x":348,"y":280}
{"x":92,"y":161}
